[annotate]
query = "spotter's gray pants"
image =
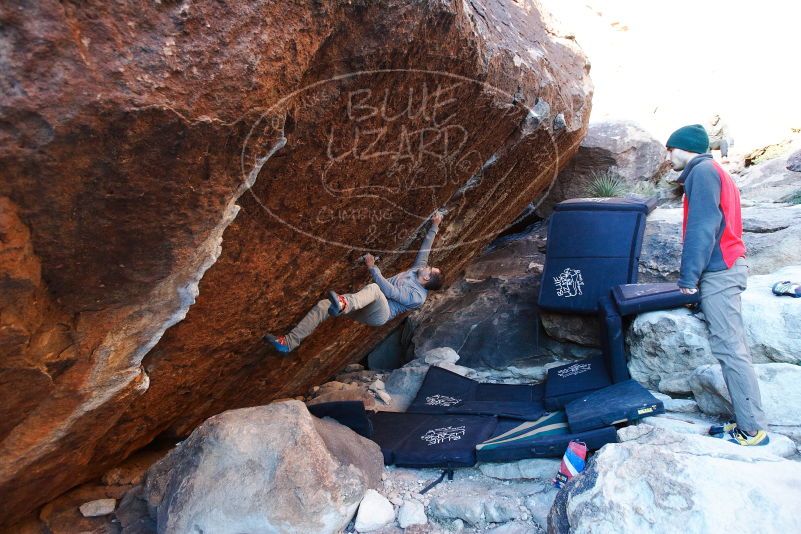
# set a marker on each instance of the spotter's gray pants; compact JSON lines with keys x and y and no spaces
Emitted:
{"x":720,"y":303}
{"x":368,"y":306}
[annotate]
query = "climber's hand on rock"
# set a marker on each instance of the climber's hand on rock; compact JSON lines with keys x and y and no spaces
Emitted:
{"x":369,"y":260}
{"x":436,"y":219}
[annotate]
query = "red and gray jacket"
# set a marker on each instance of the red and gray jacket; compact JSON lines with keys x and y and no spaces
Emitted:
{"x":713,"y":227}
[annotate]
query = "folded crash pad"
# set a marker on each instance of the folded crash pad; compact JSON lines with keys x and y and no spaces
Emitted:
{"x":349,"y":413}
{"x":618,"y":403}
{"x":415,"y":439}
{"x":613,"y":343}
{"x":444,"y":391}
{"x":593,"y":244}
{"x":430,"y":440}
{"x":575,"y":380}
{"x":546,"y":437}
{"x":632,"y":299}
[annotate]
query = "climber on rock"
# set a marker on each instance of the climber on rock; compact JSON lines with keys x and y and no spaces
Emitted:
{"x":378,"y":302}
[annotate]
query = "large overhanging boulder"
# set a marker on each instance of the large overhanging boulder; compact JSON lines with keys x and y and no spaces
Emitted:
{"x":178,"y":178}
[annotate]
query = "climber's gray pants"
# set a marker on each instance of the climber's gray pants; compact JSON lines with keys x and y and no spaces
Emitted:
{"x":720,"y":303}
{"x":368,"y":306}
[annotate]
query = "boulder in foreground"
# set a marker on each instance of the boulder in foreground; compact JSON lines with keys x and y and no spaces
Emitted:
{"x":659,"y":480}
{"x":272,"y":468}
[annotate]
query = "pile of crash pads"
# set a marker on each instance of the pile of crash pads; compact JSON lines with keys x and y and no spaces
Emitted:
{"x":592,"y":258}
{"x":455,"y":421}
{"x":591,"y":266}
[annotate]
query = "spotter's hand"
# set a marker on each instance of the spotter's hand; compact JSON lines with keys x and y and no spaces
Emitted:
{"x":436,"y":219}
{"x":369,"y":260}
{"x":688,"y":291}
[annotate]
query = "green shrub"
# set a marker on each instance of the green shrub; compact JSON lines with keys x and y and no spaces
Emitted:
{"x":606,"y":184}
{"x":645,"y":189}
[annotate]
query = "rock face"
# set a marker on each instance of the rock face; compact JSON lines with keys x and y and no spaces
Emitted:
{"x":666,"y":346}
{"x":272,"y":468}
{"x":771,"y":181}
{"x":177,"y":180}
{"x":772,"y":235}
{"x":778,"y":387}
{"x":619,"y":147}
{"x":680,"y":482}
{"x":794,"y":162}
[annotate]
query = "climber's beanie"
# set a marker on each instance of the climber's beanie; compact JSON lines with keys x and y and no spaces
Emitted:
{"x":692,"y":138}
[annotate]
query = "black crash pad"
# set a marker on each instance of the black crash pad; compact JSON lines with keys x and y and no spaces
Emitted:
{"x":613,"y":344}
{"x":547,"y":437}
{"x":444,"y":391}
{"x":619,"y":403}
{"x":415,"y":439}
{"x":632,"y":299}
{"x":593,"y":244}
{"x":430,"y":440}
{"x":571,"y":381}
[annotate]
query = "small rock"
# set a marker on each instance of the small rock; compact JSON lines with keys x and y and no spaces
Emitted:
{"x":377,"y":385}
{"x":794,"y":162}
{"x":412,"y":513}
{"x":375,"y":511}
{"x":440,"y":355}
{"x":384,"y":396}
{"x":405,"y":382}
{"x":515,"y":527}
{"x":676,"y":425}
{"x":660,"y":396}
{"x":353,"y":368}
{"x":681,"y":405}
{"x":534,"y":468}
{"x":539,"y":504}
{"x":677,"y":384}
{"x":98,"y":507}
{"x":458,"y":369}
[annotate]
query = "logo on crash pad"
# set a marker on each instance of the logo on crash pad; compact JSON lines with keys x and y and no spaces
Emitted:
{"x":569,"y":283}
{"x":442,"y":400}
{"x":573,"y":370}
{"x":441,"y":435}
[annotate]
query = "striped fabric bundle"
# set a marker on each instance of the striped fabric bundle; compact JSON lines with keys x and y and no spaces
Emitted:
{"x":548,"y":425}
{"x":573,"y":463}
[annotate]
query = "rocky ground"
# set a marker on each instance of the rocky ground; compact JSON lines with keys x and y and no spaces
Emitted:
{"x":513,"y":497}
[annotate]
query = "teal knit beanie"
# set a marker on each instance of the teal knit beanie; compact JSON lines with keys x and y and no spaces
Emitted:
{"x":692,"y":138}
